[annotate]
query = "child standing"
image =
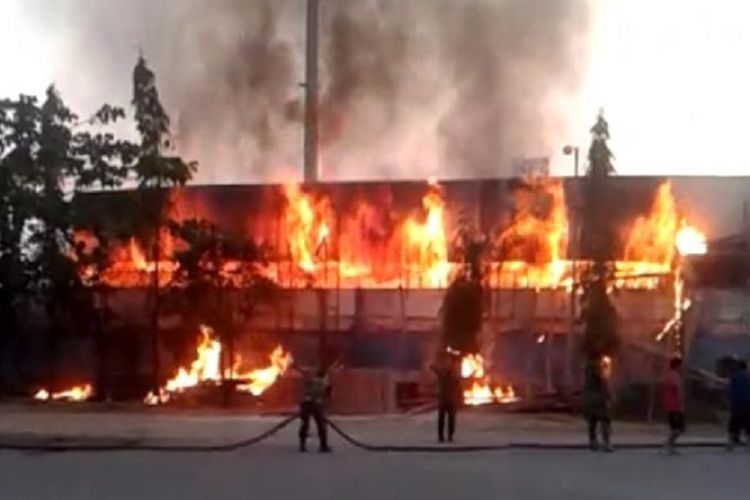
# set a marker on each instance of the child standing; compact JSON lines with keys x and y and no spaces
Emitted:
{"x":674,"y":403}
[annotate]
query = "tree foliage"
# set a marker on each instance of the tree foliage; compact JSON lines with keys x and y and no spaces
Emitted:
{"x":155,"y":168}
{"x":599,"y":241}
{"x":48,"y":158}
{"x":461,"y":315}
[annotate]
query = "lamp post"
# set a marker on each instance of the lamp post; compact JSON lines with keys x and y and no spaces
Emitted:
{"x":573,"y":248}
{"x":311,"y":139}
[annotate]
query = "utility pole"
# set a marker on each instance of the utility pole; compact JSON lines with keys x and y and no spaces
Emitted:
{"x":311,"y":93}
{"x":573,"y":246}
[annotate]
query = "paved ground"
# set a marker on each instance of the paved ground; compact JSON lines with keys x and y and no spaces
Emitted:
{"x":280,"y":474}
{"x":478,"y":426}
{"x":273,"y":470}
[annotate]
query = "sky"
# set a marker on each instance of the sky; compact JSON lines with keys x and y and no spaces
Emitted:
{"x":671,"y":75}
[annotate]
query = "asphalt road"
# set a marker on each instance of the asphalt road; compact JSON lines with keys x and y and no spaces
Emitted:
{"x":274,"y":471}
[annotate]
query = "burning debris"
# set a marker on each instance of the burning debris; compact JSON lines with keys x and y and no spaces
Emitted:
{"x":482,"y":390}
{"x":206,"y":369}
{"x":260,"y":379}
{"x":76,"y":394}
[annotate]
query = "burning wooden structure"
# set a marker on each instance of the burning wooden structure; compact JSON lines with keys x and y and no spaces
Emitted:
{"x":364,"y":267}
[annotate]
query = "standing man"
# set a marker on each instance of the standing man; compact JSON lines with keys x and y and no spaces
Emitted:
{"x":674,"y":403}
{"x":597,"y":401}
{"x":315,"y":392}
{"x":739,"y":404}
{"x":450,"y":394}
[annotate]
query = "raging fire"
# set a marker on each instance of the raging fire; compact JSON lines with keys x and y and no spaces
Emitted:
{"x":206,"y":368}
{"x":369,"y":244}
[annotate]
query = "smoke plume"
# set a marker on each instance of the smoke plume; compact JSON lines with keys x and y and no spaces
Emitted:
{"x":449,"y":88}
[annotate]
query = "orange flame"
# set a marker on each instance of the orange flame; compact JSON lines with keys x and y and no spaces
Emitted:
{"x":263,"y":378}
{"x":207,"y":368}
{"x":427,"y":245}
{"x":373,"y":246}
{"x":76,"y":394}
{"x":652,"y":238}
{"x":535,"y":243}
{"x":482,"y":391}
{"x":306,"y":227}
{"x":653,"y":241}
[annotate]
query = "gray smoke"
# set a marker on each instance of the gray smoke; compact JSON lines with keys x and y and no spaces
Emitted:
{"x":410,"y":88}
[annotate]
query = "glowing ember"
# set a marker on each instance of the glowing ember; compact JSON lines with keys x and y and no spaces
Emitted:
{"x":74,"y":394}
{"x":482,"y":391}
{"x":207,"y":368}
{"x":42,"y":395}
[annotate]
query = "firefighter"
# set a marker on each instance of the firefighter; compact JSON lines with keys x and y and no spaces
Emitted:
{"x":449,"y":395}
{"x":597,"y":401}
{"x":316,"y":390}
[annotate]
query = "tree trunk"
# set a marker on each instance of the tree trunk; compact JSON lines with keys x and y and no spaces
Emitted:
{"x":102,"y":386}
{"x":53,"y":346}
{"x":155,"y":334}
{"x":8,"y":331}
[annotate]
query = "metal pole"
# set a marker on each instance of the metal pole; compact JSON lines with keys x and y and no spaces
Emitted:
{"x":311,"y":93}
{"x":574,"y":244}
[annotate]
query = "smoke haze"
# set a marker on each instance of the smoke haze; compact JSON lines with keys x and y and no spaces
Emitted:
{"x":409,"y":89}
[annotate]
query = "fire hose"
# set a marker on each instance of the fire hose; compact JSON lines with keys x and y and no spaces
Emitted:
{"x":504,"y":446}
{"x":131,"y":446}
{"x":136,"y":446}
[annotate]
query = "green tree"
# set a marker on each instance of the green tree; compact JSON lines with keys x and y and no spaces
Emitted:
{"x":70,"y":161}
{"x":219,"y":277}
{"x":19,"y":137}
{"x":461,"y":315}
{"x":106,"y":222}
{"x":48,"y":158}
{"x":157,"y":172}
{"x":599,"y":243}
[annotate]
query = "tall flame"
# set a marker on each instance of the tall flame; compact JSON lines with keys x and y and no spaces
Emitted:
{"x":651,"y":238}
{"x":427,"y":244}
{"x":306,"y":227}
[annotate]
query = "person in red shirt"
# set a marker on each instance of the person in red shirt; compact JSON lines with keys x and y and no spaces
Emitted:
{"x":674,"y":403}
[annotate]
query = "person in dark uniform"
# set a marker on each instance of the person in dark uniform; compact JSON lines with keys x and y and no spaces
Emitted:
{"x":597,"y":401}
{"x":450,"y":395}
{"x":739,"y":404}
{"x":316,"y":390}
